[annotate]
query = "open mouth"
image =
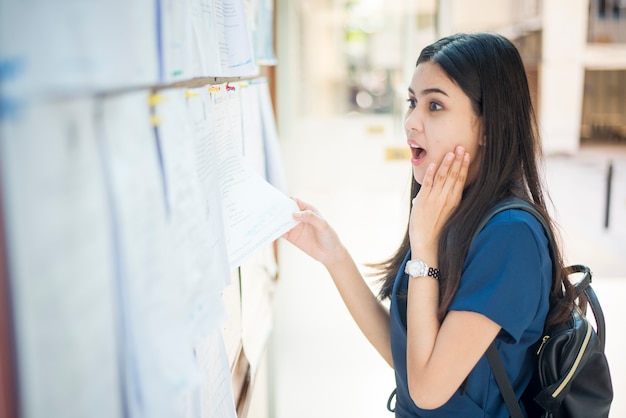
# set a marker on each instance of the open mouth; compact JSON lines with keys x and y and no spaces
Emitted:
{"x":417,"y":153}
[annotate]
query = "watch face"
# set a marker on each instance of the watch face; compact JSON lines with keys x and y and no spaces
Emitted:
{"x":416,"y":268}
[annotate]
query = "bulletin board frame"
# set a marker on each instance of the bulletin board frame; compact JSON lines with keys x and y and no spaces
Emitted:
{"x":8,"y":382}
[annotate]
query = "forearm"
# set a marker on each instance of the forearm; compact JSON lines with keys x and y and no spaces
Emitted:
{"x":423,"y":326}
{"x":367,"y":311}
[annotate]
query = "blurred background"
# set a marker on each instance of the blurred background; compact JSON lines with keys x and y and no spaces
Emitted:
{"x":344,"y":67}
{"x":338,"y":72}
{"x":340,"y":58}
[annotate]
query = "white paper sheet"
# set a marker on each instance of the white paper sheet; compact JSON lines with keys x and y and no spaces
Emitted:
{"x":216,"y":393}
{"x":60,"y":263}
{"x":205,"y":55}
{"x":263,"y":33}
{"x":255,"y":213}
{"x":159,"y":362}
{"x":231,"y":328}
{"x":234,"y":39}
{"x":176,"y":40}
{"x":69,"y":46}
{"x":222,"y":40}
{"x":200,"y":109}
{"x":190,"y":229}
{"x":258,"y":280}
{"x":275,"y":171}
{"x":252,"y":128}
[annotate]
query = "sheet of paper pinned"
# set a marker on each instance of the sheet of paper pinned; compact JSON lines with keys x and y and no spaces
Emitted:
{"x":73,"y":47}
{"x":157,"y":355}
{"x":255,"y":212}
{"x":60,"y":236}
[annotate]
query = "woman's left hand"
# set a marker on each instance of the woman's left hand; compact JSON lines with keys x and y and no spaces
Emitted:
{"x":439,"y":195}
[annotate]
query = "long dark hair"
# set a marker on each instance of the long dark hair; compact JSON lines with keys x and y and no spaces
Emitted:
{"x":489,"y":70}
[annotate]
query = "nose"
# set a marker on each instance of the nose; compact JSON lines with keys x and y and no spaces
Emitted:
{"x":414,"y":120}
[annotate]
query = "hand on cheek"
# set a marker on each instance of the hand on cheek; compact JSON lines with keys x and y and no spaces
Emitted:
{"x":439,"y":195}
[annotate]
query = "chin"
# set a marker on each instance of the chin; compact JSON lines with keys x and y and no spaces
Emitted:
{"x":418,"y":175}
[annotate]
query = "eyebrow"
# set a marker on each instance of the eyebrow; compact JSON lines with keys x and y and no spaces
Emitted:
{"x":429,"y":91}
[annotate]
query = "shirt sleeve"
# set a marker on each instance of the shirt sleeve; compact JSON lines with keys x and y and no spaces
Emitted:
{"x":505,"y":272}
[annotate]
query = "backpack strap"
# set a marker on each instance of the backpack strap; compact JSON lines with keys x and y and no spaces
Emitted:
{"x":584,"y":286}
{"x":495,"y":361}
{"x":503,"y":382}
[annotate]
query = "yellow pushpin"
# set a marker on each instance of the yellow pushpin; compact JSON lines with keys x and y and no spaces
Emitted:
{"x":156,"y":99}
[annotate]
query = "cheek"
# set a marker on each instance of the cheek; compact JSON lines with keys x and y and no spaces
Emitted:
{"x":473,"y":168}
{"x":474,"y":150}
{"x":469,"y":139}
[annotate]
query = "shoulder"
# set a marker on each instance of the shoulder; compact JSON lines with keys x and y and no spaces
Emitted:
{"x":514,"y":217}
{"x":512,"y":227}
{"x":511,"y":252}
{"x":507,"y":272}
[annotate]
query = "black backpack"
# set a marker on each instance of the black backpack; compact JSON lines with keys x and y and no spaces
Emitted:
{"x":572,"y":379}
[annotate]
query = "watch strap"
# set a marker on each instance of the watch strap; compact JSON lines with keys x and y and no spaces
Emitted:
{"x":434,"y":273}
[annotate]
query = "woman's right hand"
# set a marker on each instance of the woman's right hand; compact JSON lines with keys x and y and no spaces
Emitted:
{"x":314,"y":235}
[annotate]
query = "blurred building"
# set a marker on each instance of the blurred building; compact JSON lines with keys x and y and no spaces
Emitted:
{"x":355,"y":56}
{"x":575,"y":53}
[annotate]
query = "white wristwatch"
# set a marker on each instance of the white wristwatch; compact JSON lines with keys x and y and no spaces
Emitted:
{"x":417,"y":268}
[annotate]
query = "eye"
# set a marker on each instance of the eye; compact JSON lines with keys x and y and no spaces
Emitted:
{"x":412,"y":103}
{"x":434,"y":106}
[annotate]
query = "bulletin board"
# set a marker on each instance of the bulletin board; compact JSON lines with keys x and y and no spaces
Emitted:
{"x":142,"y":192}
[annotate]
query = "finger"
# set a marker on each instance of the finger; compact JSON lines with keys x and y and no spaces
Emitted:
{"x":454,"y":171}
{"x":444,"y":170}
{"x":459,"y":185}
{"x":308,"y":216}
{"x":428,"y":180}
{"x":449,"y":170}
{"x":302,"y":205}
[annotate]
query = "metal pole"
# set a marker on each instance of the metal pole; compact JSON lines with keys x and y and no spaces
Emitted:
{"x":609,"y":180}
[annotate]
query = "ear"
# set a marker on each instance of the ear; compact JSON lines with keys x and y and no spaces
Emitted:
{"x":482,"y":136}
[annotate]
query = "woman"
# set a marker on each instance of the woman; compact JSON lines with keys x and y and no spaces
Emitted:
{"x":471,"y":130}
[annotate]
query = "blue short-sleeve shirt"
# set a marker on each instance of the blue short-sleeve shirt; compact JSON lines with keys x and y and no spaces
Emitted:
{"x":506,"y":277}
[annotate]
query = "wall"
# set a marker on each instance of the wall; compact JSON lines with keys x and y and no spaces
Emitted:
{"x":141,"y":194}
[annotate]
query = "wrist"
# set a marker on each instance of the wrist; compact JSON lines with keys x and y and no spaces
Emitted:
{"x":418,"y":268}
{"x":336,"y":258}
{"x":427,"y":254}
